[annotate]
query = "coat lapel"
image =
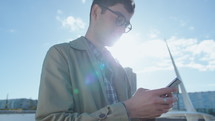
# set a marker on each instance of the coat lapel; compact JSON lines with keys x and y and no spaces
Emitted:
{"x":81,"y":44}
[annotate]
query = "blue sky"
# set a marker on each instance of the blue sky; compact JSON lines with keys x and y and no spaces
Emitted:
{"x":29,"y":27}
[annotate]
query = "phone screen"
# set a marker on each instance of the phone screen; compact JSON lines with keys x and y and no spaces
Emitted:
{"x":174,"y":83}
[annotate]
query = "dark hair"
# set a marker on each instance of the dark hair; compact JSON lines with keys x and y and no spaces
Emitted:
{"x":128,"y":4}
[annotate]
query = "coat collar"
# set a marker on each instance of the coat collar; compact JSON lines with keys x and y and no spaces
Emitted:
{"x":80,"y":43}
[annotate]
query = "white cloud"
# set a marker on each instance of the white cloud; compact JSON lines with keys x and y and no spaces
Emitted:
{"x":72,"y":23}
{"x":193,"y":53}
{"x":83,"y":1}
{"x":152,"y":55}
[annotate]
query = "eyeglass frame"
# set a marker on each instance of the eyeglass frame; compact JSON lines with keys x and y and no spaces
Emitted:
{"x":125,"y":23}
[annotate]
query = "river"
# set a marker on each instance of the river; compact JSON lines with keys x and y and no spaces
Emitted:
{"x":17,"y":117}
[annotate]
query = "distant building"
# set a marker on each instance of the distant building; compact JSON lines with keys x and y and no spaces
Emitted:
{"x":24,"y":104}
{"x":202,"y":102}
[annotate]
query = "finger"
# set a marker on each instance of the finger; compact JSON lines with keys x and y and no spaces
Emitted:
{"x":161,"y":107}
{"x":167,"y":95}
{"x":166,"y":100}
{"x":166,"y":106}
{"x":163,"y":91}
{"x":141,"y":90}
{"x":160,"y":112}
{"x":145,"y":89}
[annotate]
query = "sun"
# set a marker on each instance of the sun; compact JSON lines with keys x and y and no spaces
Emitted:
{"x":125,"y":50}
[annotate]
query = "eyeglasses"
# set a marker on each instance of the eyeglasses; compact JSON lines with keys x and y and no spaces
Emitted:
{"x":120,"y":20}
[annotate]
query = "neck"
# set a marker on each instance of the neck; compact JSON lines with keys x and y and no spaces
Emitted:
{"x":92,"y":38}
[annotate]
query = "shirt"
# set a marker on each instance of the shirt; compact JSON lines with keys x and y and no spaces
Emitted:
{"x":105,"y":60}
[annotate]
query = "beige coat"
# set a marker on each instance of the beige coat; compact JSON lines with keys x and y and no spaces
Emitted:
{"x":72,"y":87}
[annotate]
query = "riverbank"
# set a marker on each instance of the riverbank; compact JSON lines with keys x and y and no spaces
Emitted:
{"x":17,"y":111}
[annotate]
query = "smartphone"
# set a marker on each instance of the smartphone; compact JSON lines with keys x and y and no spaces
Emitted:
{"x":174,"y":83}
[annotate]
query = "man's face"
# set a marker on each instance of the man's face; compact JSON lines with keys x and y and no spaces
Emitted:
{"x":108,"y":28}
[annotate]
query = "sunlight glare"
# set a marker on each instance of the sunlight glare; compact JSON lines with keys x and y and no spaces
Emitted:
{"x":125,"y":50}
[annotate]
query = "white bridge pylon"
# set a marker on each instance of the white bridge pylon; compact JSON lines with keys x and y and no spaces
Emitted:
{"x":191,"y":114}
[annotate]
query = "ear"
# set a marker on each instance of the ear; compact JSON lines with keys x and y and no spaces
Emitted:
{"x":96,"y":11}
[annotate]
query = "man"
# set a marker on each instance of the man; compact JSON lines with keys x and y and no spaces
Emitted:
{"x":81,"y":81}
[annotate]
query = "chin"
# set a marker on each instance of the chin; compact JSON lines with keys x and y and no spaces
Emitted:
{"x":111,"y":42}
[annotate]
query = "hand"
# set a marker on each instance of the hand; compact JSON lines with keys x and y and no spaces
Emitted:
{"x":150,"y":103}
